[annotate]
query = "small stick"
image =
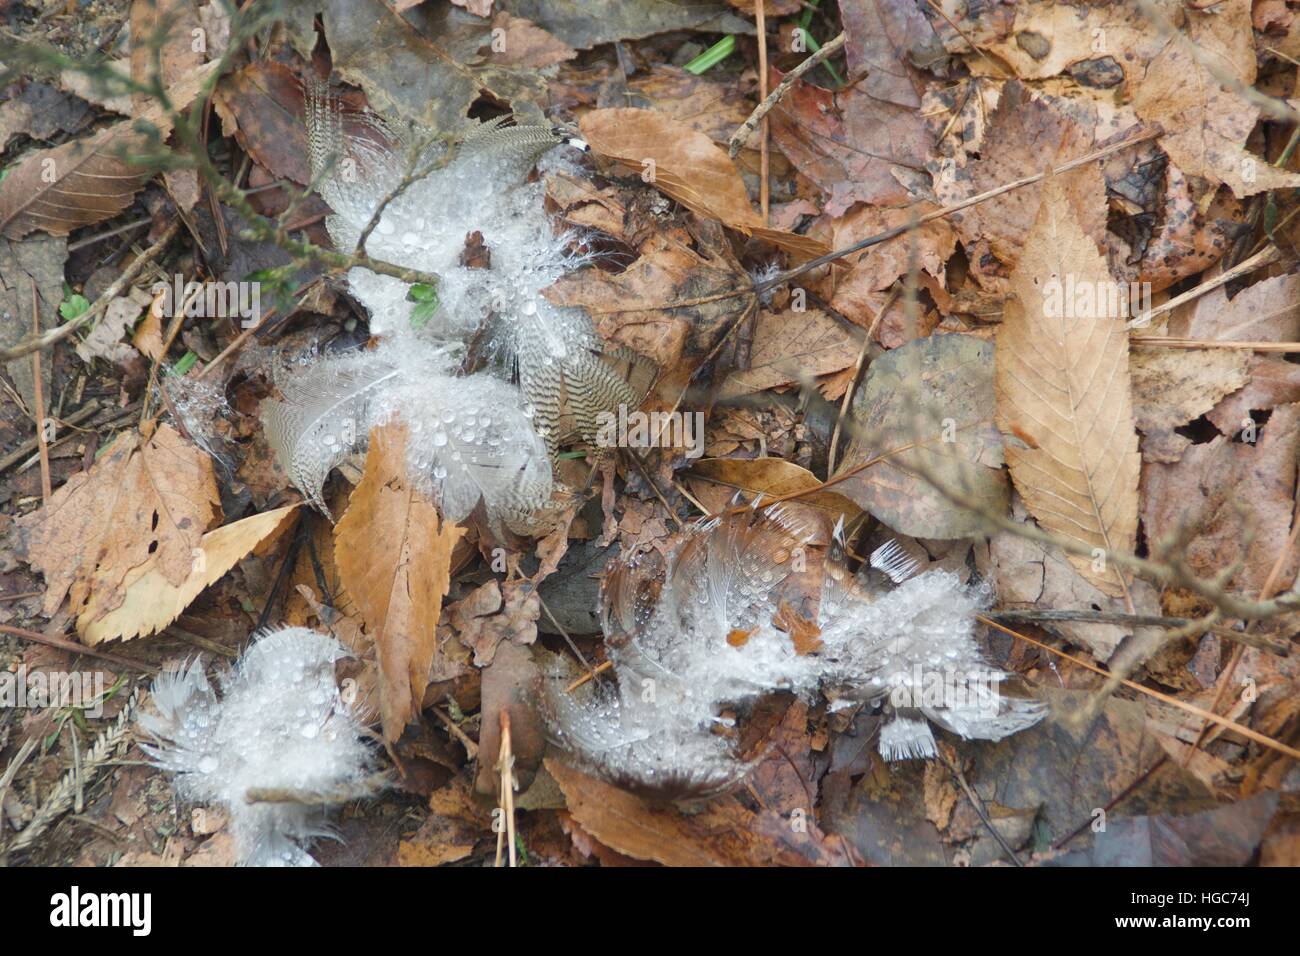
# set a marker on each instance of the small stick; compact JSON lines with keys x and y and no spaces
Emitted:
{"x":738,"y":138}
{"x":506,"y":771}
{"x":26,"y":448}
{"x":39,"y":394}
{"x":72,"y":647}
{"x":783,"y":277}
{"x":764,"y":191}
{"x":1263,"y":258}
{"x":1168,"y":342}
{"x":44,"y":341}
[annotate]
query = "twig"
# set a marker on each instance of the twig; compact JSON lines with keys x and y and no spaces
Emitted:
{"x":38,"y":389}
{"x":978,"y":806}
{"x":471,"y":748}
{"x":1282,"y":649}
{"x":44,"y":341}
{"x":784,"y":277}
{"x":1115,"y":801}
{"x":1268,"y":590}
{"x":26,"y":448}
{"x":737,"y":141}
{"x":1170,"y":342}
{"x":72,"y":647}
{"x":764,"y":189}
{"x":506,"y":804}
{"x":1254,"y":735}
{"x":1261,"y":259}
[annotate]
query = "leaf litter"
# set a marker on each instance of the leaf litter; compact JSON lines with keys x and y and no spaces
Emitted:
{"x":784,"y":498}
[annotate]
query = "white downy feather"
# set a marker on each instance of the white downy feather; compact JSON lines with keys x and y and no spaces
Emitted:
{"x":278,"y":723}
{"x":481,"y":187}
{"x":471,"y":438}
{"x":910,"y":648}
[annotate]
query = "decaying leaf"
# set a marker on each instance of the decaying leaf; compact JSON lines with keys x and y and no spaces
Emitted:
{"x":144,"y":502}
{"x":85,"y":181}
{"x":1234,"y":498}
{"x":1063,"y":388}
{"x":715,"y":482}
{"x":394,"y":559}
{"x":688,"y":166}
{"x":928,"y":403}
{"x":1206,"y":123}
{"x":152,"y":602}
{"x":792,"y":347}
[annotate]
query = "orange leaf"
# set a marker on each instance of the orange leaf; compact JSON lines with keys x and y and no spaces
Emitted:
{"x":394,"y":559}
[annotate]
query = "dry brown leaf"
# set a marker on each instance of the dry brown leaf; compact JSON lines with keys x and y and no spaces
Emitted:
{"x":672,"y":304}
{"x":140,"y":503}
{"x":528,"y":45}
{"x":1063,"y":393}
{"x":87,"y":180}
{"x":860,"y":290}
{"x":1101,"y":45}
{"x":1205,"y":123}
{"x":1236,"y":498}
{"x":724,"y":833}
{"x":1173,"y":386}
{"x":1026,"y":135}
{"x":788,"y":346}
{"x":394,"y":559}
{"x":716,"y":480}
{"x":689,"y":167}
{"x":152,"y":602}
{"x":455,"y":824}
{"x":926,"y":406}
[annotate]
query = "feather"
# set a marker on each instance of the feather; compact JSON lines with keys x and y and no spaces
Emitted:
{"x":694,"y":634}
{"x":470,"y":438}
{"x":553,"y":352}
{"x":279,"y":723}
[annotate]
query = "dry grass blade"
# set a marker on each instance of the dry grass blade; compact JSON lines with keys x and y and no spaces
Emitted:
{"x":1063,"y":395}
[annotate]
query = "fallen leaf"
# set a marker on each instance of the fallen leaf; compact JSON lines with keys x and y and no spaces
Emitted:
{"x":509,"y":684}
{"x":1065,"y":382}
{"x":789,"y":346}
{"x":525,"y":44}
{"x":481,"y":628}
{"x":452,"y":829}
{"x":1026,"y":135}
{"x":928,"y":403}
{"x":261,"y":105}
{"x":394,"y":559}
{"x":689,"y":167}
{"x":152,"y":602}
{"x":672,"y":304}
{"x":85,"y":181}
{"x":724,"y":833}
{"x":716,"y":480}
{"x":142,"y":502}
{"x":1236,"y":498}
{"x":1226,"y":836}
{"x":1173,"y":386}
{"x":1205,"y":123}
{"x":584,"y":24}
